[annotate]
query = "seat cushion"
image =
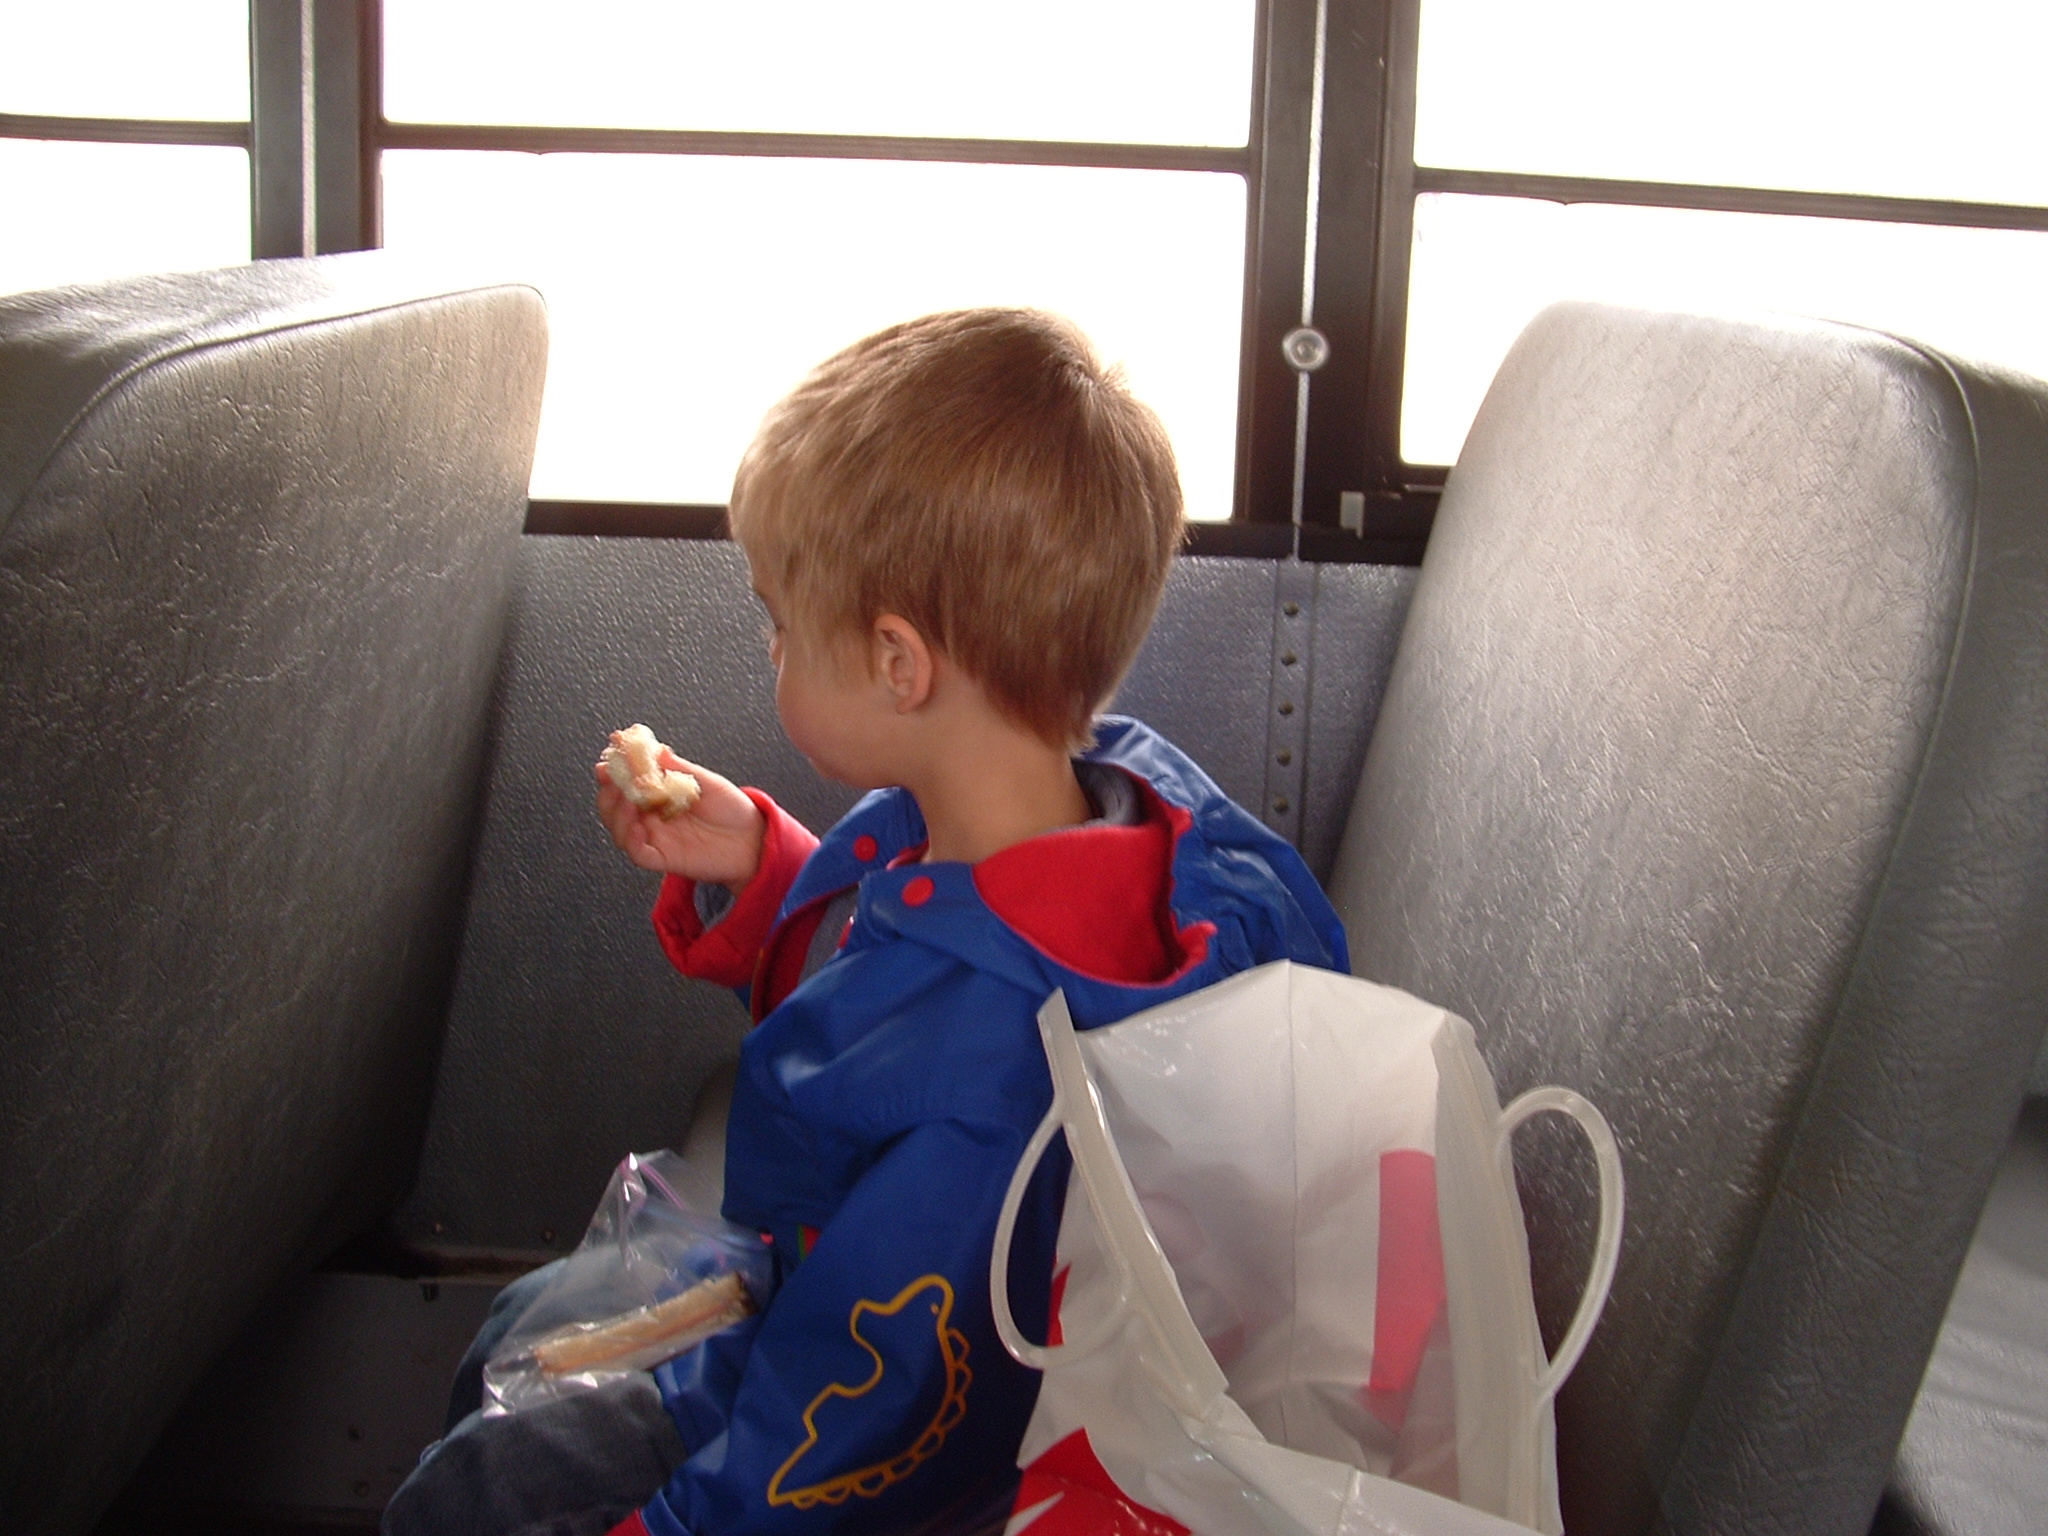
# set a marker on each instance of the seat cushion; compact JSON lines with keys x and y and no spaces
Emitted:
{"x":1712,"y":781}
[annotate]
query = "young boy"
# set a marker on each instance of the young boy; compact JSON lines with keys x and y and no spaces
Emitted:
{"x":960,"y":528}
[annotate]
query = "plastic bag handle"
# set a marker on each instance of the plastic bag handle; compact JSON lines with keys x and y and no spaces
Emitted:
{"x":1022,"y":1350}
{"x":1182,"y":1366}
{"x":1607,"y":1240}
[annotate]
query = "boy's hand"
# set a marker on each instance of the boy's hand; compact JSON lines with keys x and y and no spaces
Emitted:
{"x":717,"y":841}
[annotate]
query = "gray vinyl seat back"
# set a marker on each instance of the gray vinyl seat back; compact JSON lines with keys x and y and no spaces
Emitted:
{"x":257,"y":528}
{"x":1712,"y":781}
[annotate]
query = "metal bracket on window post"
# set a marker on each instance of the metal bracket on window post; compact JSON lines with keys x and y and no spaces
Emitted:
{"x":1294,"y":612}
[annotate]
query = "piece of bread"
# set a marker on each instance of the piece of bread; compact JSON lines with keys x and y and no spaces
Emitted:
{"x":648,"y":1335}
{"x":633,"y":761}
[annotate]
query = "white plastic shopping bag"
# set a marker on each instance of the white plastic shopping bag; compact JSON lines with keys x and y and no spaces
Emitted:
{"x":1292,"y":1286}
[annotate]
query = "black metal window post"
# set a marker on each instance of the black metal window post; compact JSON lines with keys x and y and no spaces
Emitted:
{"x":1359,"y":501}
{"x":1275,"y":249}
{"x":1327,"y":290}
{"x":315,"y":80}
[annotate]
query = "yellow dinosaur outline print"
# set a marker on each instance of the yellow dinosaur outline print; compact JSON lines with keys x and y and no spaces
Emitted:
{"x":870,"y":1481}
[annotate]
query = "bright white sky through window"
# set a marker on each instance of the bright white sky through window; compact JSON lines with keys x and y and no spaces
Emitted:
{"x":90,"y":211}
{"x":1114,"y":71}
{"x":1896,"y":97}
{"x":125,"y":58}
{"x":1891,"y":97}
{"x":687,"y":293}
{"x":120,"y":210}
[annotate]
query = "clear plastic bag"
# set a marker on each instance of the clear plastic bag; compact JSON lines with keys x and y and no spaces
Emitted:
{"x":657,"y":1273}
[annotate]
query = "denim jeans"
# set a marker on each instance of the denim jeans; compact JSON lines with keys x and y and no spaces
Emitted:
{"x":575,"y":1467}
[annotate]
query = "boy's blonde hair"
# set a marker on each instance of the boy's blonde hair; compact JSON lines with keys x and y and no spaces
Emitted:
{"x":981,"y":474}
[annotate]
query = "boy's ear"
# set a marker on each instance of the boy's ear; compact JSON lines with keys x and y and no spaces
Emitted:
{"x":904,"y":661}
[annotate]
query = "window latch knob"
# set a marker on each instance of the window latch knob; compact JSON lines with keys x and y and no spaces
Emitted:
{"x":1305,"y":348}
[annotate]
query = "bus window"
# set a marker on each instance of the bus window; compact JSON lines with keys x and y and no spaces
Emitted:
{"x":1629,"y":153}
{"x":687,"y":290}
{"x":1308,"y":228}
{"x":1060,"y":70}
{"x":126,"y":152}
{"x":686,"y":293}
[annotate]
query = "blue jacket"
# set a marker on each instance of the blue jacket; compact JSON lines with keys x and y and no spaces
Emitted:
{"x":879,"y":1113}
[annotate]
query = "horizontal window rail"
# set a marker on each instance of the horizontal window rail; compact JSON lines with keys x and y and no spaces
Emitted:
{"x":124,"y":130}
{"x":1242,"y":540}
{"x":530,"y":139}
{"x":627,"y":519}
{"x":1717,"y":199}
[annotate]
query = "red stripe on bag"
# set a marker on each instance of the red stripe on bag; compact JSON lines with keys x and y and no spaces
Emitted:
{"x":1074,"y":1496}
{"x":1411,"y":1281}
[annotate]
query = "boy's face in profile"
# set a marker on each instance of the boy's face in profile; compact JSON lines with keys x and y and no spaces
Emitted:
{"x":824,"y":696}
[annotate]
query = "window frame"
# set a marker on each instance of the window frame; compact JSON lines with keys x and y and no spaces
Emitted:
{"x":313,"y":79}
{"x":1330,"y":206}
{"x":1367,"y":232}
{"x":1271,"y":162}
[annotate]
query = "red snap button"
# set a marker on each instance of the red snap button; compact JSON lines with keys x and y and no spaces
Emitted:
{"x":918,"y":892}
{"x":865,"y":847}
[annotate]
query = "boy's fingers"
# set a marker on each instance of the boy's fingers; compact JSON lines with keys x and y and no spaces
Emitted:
{"x":639,"y":845}
{"x":645,"y":837}
{"x":622,"y":821}
{"x":672,"y":760}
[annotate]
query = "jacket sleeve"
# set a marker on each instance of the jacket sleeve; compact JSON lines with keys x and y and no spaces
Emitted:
{"x":876,"y":1395}
{"x":726,"y":951}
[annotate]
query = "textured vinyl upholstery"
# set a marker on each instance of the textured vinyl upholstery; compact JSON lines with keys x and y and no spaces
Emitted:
{"x":1974,"y":1460}
{"x":1712,"y":781}
{"x":570,"y":1039}
{"x":256,"y":535}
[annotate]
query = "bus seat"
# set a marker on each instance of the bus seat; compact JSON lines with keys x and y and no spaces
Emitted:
{"x":1712,"y":781}
{"x":257,"y":528}
{"x":1974,"y":1460}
